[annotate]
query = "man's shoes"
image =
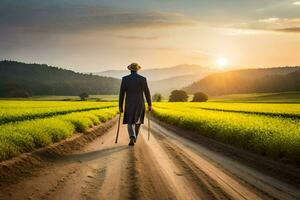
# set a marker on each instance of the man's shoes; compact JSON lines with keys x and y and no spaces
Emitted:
{"x":131,"y":143}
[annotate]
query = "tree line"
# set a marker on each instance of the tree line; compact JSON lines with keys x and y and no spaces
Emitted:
{"x":23,"y":80}
{"x":181,"y":96}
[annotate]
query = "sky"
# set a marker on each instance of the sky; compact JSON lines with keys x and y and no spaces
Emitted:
{"x":97,"y":35}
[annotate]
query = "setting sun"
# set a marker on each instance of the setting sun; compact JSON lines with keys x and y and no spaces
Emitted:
{"x":222,"y":62}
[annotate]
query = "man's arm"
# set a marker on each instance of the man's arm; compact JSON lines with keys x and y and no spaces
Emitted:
{"x":147,"y":95}
{"x":121,"y":95}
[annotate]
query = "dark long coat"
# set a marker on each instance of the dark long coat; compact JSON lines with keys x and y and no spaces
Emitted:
{"x":134,"y":86}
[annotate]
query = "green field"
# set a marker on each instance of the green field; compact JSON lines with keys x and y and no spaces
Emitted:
{"x":27,"y":125}
{"x":106,"y":98}
{"x":12,"y":111}
{"x":291,"y":110}
{"x":276,"y":135}
{"x":282,"y":97}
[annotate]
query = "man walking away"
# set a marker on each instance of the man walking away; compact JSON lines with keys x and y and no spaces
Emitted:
{"x":133,"y":88}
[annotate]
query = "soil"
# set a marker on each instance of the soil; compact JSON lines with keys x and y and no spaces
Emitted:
{"x":168,"y":166}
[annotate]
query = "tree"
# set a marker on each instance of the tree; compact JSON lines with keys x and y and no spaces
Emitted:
{"x":157,"y":97}
{"x":83,"y":96}
{"x":20,"y":93}
{"x":178,"y":96}
{"x":200,"y":97}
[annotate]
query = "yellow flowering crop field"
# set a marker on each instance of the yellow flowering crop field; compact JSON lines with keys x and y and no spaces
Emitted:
{"x":267,"y":129}
{"x":27,"y":125}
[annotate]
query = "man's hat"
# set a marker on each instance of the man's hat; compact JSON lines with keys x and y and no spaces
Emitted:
{"x":134,"y":67}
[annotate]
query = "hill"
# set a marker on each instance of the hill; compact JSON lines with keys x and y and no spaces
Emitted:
{"x":158,"y":74}
{"x":280,"y":79}
{"x":165,"y":86}
{"x":20,"y":79}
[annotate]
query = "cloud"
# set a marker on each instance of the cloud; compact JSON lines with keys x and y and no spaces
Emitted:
{"x":168,"y":49}
{"x":289,"y":30}
{"x":243,"y":31}
{"x":281,"y":24}
{"x":261,"y":26}
{"x":204,"y":56}
{"x":297,"y":3}
{"x":71,"y":17}
{"x":135,"y":37}
{"x":269,"y":20}
{"x":205,"y":53}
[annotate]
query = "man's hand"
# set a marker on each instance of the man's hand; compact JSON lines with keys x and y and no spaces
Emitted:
{"x":120,"y":110}
{"x":149,"y":108}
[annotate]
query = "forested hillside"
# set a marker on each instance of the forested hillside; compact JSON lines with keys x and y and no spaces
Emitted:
{"x":20,"y":80}
{"x":249,"y":81}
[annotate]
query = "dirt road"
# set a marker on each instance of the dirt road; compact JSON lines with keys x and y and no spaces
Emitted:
{"x":166,"y":167}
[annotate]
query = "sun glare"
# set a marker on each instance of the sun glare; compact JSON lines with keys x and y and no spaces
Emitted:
{"x":222,"y":62}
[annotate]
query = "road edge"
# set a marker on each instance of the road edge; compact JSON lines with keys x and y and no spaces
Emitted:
{"x":25,"y":164}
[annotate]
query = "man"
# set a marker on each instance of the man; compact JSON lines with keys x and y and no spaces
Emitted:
{"x":134,"y":86}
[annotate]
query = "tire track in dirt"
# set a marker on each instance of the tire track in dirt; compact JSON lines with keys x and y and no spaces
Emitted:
{"x":191,"y":171}
{"x":132,"y":175}
{"x":151,"y":180}
{"x":229,"y":181}
{"x":93,"y":185}
{"x":173,"y":175}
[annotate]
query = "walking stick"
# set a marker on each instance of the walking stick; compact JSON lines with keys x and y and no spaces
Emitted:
{"x":149,"y":125}
{"x":119,"y":121}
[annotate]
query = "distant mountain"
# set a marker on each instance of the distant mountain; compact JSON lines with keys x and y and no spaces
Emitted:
{"x":164,"y":80}
{"x":165,"y":86}
{"x":20,"y":79}
{"x":280,"y":79}
{"x":162,"y":73}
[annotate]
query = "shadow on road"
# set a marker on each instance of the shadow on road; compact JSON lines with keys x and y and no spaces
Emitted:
{"x":85,"y":156}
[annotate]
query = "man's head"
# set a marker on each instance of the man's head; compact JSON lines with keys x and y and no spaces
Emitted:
{"x":134,"y":67}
